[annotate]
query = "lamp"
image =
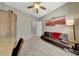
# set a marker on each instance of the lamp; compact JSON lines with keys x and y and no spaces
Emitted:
{"x":70,"y":22}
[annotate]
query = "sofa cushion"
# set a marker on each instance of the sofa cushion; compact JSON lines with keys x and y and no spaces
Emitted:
{"x":56,"y":35}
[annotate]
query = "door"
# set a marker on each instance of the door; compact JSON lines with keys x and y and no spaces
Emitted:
{"x":4,"y":24}
{"x":39,"y":28}
{"x":33,"y":28}
{"x":7,"y":24}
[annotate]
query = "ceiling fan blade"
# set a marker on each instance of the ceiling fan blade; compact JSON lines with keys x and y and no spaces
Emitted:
{"x":30,"y":7}
{"x":36,"y":10}
{"x":42,"y":7}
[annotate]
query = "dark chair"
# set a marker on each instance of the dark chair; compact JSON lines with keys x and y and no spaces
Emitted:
{"x":17,"y":48}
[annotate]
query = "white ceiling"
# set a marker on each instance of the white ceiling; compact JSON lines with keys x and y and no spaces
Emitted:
{"x":51,"y":6}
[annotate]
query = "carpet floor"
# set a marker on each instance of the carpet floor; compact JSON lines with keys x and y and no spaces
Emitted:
{"x":37,"y":47}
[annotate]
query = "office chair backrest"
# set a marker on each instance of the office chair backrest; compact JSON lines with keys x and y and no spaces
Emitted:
{"x":18,"y":46}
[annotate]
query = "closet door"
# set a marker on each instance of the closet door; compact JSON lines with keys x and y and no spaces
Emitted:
{"x":13,"y":24}
{"x":5,"y":27}
{"x":39,"y":28}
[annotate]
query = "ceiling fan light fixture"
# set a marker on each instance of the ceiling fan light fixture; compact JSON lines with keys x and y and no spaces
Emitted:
{"x":36,"y":5}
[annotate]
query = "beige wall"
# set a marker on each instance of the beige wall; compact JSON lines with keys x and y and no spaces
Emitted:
{"x":23,"y":22}
{"x":70,"y":10}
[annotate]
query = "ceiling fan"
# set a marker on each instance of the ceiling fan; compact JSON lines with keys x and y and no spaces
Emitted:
{"x":37,"y":6}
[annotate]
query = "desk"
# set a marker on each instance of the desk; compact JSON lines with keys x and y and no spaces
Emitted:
{"x":73,"y":42}
{"x":6,"y":46}
{"x":75,"y":47}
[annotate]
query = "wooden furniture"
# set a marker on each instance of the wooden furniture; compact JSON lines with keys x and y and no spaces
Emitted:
{"x":18,"y":47}
{"x":74,"y":42}
{"x":75,"y":47}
